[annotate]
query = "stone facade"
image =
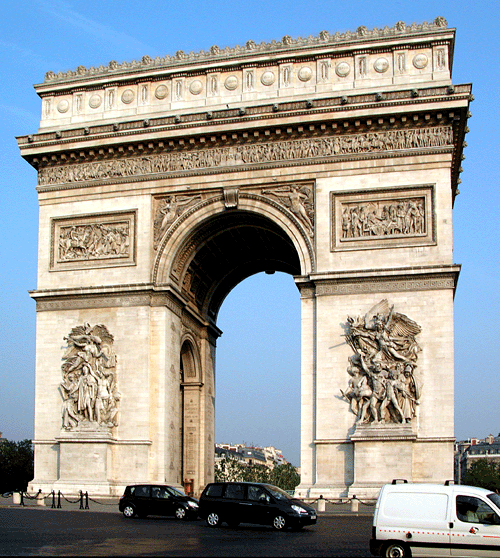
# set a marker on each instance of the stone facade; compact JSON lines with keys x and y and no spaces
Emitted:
{"x":165,"y":182}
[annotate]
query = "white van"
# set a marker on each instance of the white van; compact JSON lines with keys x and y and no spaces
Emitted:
{"x":435,"y":520}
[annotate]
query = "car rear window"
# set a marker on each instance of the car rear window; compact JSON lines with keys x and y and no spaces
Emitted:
{"x":214,"y":490}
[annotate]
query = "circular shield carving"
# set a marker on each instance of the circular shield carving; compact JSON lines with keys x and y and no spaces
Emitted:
{"x":267,"y":78}
{"x":63,"y":106}
{"x":342,"y":69}
{"x":305,"y":73}
{"x":231,"y":83}
{"x":420,"y":61}
{"x":381,"y":65}
{"x":196,"y":87}
{"x":161,"y":92}
{"x":95,"y":101}
{"x":127,"y":96}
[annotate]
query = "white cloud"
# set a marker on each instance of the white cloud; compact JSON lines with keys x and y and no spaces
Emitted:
{"x":64,"y":12}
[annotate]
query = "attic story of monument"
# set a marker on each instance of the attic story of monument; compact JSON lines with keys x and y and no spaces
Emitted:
{"x":165,"y":182}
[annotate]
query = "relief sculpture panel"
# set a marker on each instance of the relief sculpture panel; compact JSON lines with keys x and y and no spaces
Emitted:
{"x":89,"y":390}
{"x":233,"y":156}
{"x":93,"y":241}
{"x":383,"y":387}
{"x":383,"y":218}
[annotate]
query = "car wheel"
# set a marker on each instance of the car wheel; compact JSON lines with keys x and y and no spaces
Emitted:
{"x":180,"y":513}
{"x":213,"y":519}
{"x":396,"y":550}
{"x":279,"y":523}
{"x":129,"y":511}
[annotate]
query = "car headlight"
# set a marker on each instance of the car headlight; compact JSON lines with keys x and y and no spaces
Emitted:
{"x":298,"y":509}
{"x":192,"y":504}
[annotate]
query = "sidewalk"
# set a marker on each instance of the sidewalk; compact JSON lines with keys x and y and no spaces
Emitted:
{"x":110,"y":505}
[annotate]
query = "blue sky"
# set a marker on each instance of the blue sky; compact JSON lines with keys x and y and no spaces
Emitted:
{"x":258,"y":364}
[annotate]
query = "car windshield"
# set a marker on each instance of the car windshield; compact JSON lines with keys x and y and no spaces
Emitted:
{"x":495,"y":498}
{"x":175,"y":492}
{"x":278,"y":493}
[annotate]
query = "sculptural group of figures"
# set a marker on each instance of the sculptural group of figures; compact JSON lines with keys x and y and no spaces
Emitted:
{"x":436,"y":136}
{"x":89,"y":383}
{"x":406,"y":217}
{"x":84,"y":242}
{"x":382,"y":387}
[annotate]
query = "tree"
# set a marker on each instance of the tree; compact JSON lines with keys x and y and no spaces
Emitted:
{"x":16,"y":465}
{"x":483,"y":473}
{"x":285,"y":476}
{"x":228,"y":469}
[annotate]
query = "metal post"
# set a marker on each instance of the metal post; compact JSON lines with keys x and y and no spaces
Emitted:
{"x":354,"y":504}
{"x":321,"y":504}
{"x":58,"y":499}
{"x":86,"y":500}
{"x":81,"y":500}
{"x":53,"y":500}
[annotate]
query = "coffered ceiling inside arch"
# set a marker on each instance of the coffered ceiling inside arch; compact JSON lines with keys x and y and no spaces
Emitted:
{"x":228,"y":249}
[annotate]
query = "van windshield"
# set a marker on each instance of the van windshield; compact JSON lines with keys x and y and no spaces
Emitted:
{"x":495,"y":498}
{"x":278,"y":493}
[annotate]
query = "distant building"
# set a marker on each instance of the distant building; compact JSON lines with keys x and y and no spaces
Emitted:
{"x":251,"y":455}
{"x":469,"y":451}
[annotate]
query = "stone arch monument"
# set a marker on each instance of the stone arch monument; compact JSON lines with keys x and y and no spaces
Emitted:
{"x":164,"y":182}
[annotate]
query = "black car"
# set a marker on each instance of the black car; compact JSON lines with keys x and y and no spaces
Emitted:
{"x":140,"y":500}
{"x":264,"y":504}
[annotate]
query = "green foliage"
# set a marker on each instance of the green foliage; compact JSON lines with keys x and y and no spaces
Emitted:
{"x":230,"y":469}
{"x":16,"y":465}
{"x":483,"y":473}
{"x":285,"y":476}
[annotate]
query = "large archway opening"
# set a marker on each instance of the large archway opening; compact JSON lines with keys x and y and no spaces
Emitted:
{"x":258,"y":365}
{"x":227,"y":256}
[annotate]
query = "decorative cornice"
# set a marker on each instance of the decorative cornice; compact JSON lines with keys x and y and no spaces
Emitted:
{"x":386,"y":280}
{"x":344,"y":104}
{"x":115,"y":70}
{"x":113,"y":296}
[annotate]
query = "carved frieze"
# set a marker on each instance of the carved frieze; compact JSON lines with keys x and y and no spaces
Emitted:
{"x":383,"y":387}
{"x":298,"y":199}
{"x":168,"y":209}
{"x":384,"y":218}
{"x":250,"y":153}
{"x":98,"y":240}
{"x":89,"y":389}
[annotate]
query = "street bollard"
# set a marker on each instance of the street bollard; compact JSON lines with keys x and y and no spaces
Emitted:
{"x":16,"y":498}
{"x":321,"y":504}
{"x":354,"y":504}
{"x":59,"y":499}
{"x":40,"y":500}
{"x":53,"y":494}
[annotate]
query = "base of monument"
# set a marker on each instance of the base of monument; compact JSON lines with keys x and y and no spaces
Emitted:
{"x":72,"y":489}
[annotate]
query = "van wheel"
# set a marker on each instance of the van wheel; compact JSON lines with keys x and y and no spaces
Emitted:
{"x":129,"y":511}
{"x":279,"y":523}
{"x":180,"y":513}
{"x":396,"y":550}
{"x":213,"y":519}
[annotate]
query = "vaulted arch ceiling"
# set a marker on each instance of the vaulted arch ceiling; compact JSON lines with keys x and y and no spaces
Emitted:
{"x":233,"y":246}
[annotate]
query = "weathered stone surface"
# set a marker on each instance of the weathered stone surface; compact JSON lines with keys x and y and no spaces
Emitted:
{"x":165,"y":182}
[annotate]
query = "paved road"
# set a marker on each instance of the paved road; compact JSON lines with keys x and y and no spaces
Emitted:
{"x":55,"y":532}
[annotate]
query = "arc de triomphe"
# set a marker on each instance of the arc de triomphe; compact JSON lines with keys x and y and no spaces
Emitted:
{"x":164,"y":182}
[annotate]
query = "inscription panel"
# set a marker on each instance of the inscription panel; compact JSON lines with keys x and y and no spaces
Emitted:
{"x":97,"y":240}
{"x":383,"y":218}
